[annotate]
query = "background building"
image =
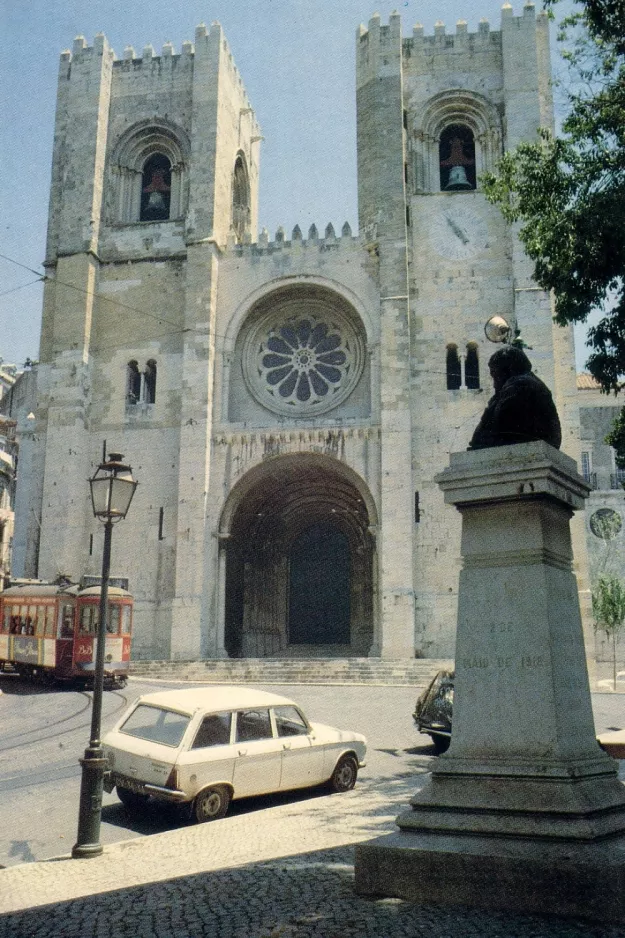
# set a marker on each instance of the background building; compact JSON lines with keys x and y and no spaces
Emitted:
{"x":8,"y":457}
{"x":285,"y":403}
{"x":605,"y":508}
{"x":25,"y":457}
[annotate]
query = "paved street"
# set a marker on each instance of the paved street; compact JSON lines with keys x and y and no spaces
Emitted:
{"x":274,"y":868}
{"x":45,"y":732}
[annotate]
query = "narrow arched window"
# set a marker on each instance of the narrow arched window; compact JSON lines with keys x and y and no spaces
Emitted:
{"x":133,"y":383}
{"x":457,"y":159}
{"x":140,"y":387}
{"x":472,"y":367}
{"x":155,"y":188}
{"x":149,"y":378}
{"x":454,"y":370}
{"x":240,"y":199}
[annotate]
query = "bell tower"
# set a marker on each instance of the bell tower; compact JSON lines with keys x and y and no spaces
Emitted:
{"x":155,"y":171}
{"x":434,"y":113}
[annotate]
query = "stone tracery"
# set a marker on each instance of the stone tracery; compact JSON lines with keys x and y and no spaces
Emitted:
{"x":303,"y":356}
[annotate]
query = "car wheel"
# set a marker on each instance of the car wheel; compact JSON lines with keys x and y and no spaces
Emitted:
{"x":441,"y":743}
{"x":344,"y":776}
{"x":211,"y":804}
{"x":131,"y":799}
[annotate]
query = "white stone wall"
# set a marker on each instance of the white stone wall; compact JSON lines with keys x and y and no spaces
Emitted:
{"x":182,"y":293}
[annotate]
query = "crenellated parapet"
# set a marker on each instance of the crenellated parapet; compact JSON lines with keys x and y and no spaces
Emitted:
{"x":378,"y":48}
{"x":205,"y":38}
{"x":376,"y":40}
{"x":442,"y":39}
{"x":329,"y":242}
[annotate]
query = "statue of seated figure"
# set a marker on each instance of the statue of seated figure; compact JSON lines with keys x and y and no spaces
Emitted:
{"x":521,"y":409}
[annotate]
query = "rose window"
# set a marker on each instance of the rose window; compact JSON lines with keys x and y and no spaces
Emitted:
{"x":305,"y":363}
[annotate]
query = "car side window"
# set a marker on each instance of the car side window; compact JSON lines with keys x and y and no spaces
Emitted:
{"x":214,"y":731}
{"x":290,"y":722}
{"x":253,"y":724}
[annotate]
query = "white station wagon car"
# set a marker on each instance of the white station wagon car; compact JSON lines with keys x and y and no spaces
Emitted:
{"x":206,"y":746}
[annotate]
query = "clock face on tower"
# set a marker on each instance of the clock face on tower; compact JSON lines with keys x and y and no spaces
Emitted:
{"x":458,"y":233}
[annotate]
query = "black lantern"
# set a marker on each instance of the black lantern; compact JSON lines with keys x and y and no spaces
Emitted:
{"x":112,"y":489}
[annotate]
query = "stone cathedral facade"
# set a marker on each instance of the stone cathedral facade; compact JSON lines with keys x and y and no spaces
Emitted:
{"x":285,"y":403}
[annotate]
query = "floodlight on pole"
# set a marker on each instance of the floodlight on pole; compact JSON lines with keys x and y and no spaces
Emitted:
{"x":497,"y":329}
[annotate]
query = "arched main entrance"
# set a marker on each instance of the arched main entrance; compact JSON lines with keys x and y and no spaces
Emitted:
{"x":299,"y":562}
{"x":319,"y":587}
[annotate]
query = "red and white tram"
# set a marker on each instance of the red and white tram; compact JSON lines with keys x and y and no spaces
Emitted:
{"x":48,"y":632}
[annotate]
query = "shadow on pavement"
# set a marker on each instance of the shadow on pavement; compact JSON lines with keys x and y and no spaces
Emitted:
{"x":157,"y":817}
{"x":303,"y":896}
{"x":16,"y":686}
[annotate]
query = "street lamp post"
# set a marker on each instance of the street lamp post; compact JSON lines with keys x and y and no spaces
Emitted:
{"x":112,"y":488}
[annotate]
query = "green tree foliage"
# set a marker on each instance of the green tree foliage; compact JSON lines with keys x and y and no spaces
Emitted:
{"x":608,"y":609}
{"x":568,"y":191}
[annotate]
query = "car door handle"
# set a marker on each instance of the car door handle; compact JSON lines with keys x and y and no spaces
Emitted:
{"x":242,"y":752}
{"x":286,"y":745}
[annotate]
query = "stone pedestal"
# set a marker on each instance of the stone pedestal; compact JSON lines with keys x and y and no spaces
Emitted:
{"x":524,"y":811}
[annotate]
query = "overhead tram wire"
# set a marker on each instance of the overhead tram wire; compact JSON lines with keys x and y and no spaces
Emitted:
{"x":135,"y":309}
{"x":71,"y":286}
{"x":22,"y":286}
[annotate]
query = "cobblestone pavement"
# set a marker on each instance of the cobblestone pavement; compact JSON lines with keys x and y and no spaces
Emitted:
{"x":282,"y":872}
{"x":308,"y":896}
{"x":198,"y":882}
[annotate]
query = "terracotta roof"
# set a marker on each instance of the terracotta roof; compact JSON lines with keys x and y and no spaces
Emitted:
{"x":586,"y":382}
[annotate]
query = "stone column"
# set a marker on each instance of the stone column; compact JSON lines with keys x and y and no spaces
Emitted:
{"x":382,"y":213}
{"x":524,"y":777}
{"x":220,"y":599}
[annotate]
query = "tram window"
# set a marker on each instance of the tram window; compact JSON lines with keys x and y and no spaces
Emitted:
{"x":112,"y":625}
{"x":126,"y":620}
{"x":88,"y":620}
{"x":32,"y":621}
{"x":24,"y":621}
{"x":66,"y":629}
{"x":6,"y":625}
{"x":16,"y":621}
{"x":49,"y":614}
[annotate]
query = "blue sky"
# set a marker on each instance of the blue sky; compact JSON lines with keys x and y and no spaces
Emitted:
{"x":297,"y":62}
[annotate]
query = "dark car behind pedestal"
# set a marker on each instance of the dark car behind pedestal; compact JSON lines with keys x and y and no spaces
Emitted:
{"x":432,"y":713}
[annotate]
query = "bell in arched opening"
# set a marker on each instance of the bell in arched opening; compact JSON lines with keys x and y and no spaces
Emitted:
{"x":457,"y":159}
{"x":156,"y":189}
{"x":156,"y":202}
{"x":458,"y":178}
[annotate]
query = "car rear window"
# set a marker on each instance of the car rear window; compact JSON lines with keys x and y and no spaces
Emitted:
{"x":156,"y":724}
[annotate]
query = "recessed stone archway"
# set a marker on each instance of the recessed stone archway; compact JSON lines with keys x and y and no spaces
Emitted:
{"x":300,"y":561}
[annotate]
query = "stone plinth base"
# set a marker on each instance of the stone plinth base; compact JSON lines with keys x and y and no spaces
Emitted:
{"x":524,"y":812}
{"x":578,"y":800}
{"x":584,"y":881}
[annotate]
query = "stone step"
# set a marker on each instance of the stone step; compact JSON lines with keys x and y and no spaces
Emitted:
{"x":412,"y":672}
